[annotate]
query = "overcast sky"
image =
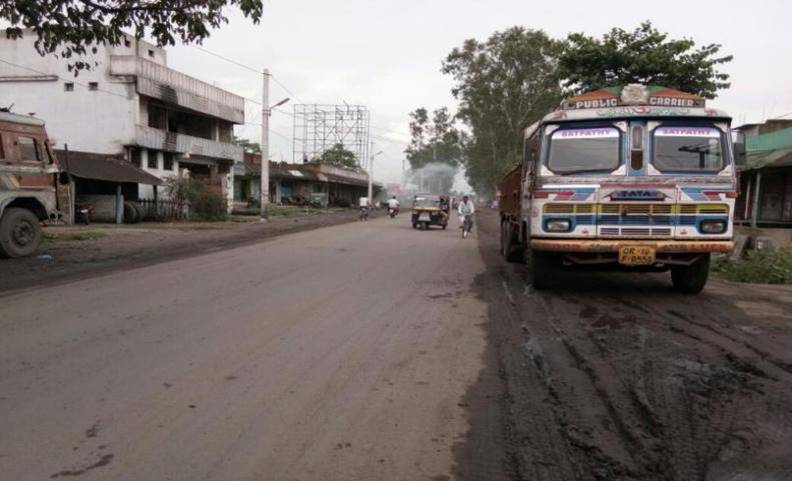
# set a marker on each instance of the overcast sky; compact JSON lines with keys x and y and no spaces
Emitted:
{"x":387,"y":54}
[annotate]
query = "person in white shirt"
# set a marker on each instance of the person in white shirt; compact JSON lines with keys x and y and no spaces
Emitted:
{"x":466,"y":209}
{"x":393,"y":203}
{"x":364,"y":208}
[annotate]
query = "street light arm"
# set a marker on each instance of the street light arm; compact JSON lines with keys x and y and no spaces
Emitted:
{"x":280,"y":103}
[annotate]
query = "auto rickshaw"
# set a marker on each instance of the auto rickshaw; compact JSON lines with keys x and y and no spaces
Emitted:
{"x":427,"y":211}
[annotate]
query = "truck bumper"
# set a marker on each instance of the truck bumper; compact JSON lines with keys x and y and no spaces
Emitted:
{"x":606,"y":245}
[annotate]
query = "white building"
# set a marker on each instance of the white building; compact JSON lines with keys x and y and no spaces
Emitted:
{"x":129,"y":104}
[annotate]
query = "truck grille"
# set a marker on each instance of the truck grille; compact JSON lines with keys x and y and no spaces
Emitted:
{"x":635,"y":231}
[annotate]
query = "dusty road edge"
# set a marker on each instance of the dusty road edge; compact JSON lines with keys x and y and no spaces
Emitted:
{"x":180,"y":251}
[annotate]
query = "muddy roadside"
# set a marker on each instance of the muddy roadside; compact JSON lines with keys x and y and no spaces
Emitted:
{"x":616,"y":377}
{"x":74,"y":252}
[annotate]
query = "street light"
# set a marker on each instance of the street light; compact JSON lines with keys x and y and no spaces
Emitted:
{"x":370,"y":177}
{"x":266,"y":111}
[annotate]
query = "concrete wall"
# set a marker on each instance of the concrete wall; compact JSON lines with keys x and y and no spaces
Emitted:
{"x":100,"y":121}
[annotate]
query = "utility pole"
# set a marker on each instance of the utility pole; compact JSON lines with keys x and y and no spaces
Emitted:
{"x":265,"y":115}
{"x":371,"y":175}
{"x":266,"y":111}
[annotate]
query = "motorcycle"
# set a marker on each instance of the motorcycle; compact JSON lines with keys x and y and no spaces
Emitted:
{"x":393,"y":212}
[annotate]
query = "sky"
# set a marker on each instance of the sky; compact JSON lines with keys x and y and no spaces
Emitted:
{"x":387,"y":54}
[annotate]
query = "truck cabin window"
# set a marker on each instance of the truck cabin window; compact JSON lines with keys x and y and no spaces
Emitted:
{"x":594,"y":149}
{"x":28,"y":149}
{"x":688,"y":149}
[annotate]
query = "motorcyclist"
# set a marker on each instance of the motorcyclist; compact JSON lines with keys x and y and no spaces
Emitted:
{"x":364,"y":208}
{"x":393,"y":203}
{"x":466,"y":209}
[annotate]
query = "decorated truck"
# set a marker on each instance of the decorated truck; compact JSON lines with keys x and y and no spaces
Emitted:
{"x":638,"y":178}
{"x":28,"y":183}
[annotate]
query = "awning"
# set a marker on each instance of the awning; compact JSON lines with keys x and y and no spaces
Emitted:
{"x":768,"y":158}
{"x":87,"y":165}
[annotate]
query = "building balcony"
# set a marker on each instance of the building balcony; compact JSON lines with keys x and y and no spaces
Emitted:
{"x":158,"y":139}
{"x":172,"y":87}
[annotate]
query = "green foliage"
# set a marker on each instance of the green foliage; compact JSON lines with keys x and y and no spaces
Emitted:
{"x":205,"y":203}
{"x":75,"y":27}
{"x":339,"y":156}
{"x":764,"y":267}
{"x":249,"y":146}
{"x":644,"y":55}
{"x":503,"y":85}
{"x":436,"y":148}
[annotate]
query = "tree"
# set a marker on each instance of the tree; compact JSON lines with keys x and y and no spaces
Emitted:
{"x":644,"y":56}
{"x":74,"y":27}
{"x":249,"y":146}
{"x":339,"y":156}
{"x":435,"y":150}
{"x":503,"y":85}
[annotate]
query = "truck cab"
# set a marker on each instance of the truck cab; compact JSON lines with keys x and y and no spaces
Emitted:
{"x":637,"y":178}
{"x":28,"y":183}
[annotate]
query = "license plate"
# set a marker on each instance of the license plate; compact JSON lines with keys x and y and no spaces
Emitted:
{"x":424,"y":216}
{"x":636,"y":255}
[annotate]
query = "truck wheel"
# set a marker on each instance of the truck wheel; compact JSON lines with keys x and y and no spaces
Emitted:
{"x":691,"y":279}
{"x":511,"y":248}
{"x":542,"y":267}
{"x":20,"y":233}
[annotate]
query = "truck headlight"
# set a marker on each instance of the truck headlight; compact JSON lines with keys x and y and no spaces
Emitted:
{"x":713,"y":227}
{"x":557,"y":225}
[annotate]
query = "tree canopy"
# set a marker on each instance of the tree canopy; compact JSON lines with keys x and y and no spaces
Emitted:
{"x":249,"y":146}
{"x":644,"y":55}
{"x":436,"y":149}
{"x":503,"y":84}
{"x":339,"y":156}
{"x":72,"y":28}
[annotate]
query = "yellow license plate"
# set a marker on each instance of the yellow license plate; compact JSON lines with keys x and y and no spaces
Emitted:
{"x":636,"y":255}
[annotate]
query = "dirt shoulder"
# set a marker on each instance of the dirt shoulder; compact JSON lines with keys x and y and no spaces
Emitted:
{"x":615,"y":376}
{"x":71,"y":252}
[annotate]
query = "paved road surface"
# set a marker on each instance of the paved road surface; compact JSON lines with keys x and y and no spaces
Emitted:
{"x":341,"y":353}
{"x":372,"y":351}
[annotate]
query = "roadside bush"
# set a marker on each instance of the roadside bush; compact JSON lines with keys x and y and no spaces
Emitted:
{"x":763,"y":267}
{"x":205,"y":203}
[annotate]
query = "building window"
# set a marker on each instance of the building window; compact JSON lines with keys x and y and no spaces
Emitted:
{"x":127,"y":43}
{"x":68,"y":86}
{"x":134,"y":157}
{"x":151,"y":53}
{"x":93,"y":85}
{"x":2,"y":151}
{"x":167,"y":161}
{"x":28,"y":149}
{"x":152,"y":161}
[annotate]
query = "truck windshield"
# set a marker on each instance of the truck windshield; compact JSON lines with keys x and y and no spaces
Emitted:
{"x":688,"y":149}
{"x":594,"y":149}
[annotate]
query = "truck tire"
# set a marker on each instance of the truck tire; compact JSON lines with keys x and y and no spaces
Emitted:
{"x":691,"y":279}
{"x":512,"y":250}
{"x":20,"y":233}
{"x":542,"y":269}
{"x":141,"y":211}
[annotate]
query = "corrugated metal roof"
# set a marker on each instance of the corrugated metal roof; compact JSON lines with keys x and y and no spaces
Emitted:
{"x":87,"y":165}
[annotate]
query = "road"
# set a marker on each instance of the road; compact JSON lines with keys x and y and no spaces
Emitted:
{"x":340,"y":353}
{"x":372,"y":351}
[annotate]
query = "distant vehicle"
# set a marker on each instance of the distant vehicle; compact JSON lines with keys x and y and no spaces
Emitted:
{"x":28,"y":183}
{"x":426,"y":211}
{"x":637,"y":178}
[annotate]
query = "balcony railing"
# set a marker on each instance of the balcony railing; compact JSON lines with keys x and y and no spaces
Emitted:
{"x":186,"y":144}
{"x":160,"y":82}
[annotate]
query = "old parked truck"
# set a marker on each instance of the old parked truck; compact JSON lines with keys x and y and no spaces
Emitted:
{"x":28,"y":183}
{"x":637,"y":178}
